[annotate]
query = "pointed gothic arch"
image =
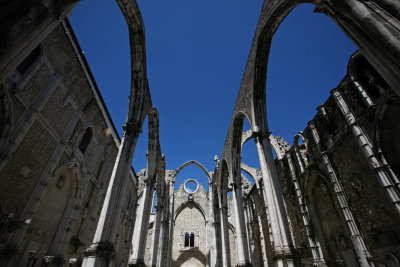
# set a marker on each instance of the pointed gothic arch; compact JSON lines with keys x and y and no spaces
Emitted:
{"x":248,"y":172}
{"x":192,"y":162}
{"x":192,"y":204}
{"x":366,"y":34}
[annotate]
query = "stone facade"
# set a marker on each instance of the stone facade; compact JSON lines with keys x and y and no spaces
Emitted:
{"x":58,"y":148}
{"x":344,"y":183}
{"x":69,"y":196}
{"x":190,"y":217}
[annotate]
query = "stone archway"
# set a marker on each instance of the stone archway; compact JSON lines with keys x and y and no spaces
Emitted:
{"x":375,"y":37}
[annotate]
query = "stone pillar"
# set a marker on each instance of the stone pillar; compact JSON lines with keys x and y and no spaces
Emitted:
{"x":171,"y":222}
{"x":211,"y":238}
{"x":361,"y":90}
{"x":299,"y":158}
{"x":282,"y":242}
{"x":223,"y":210}
{"x":163,"y":245}
{"x":142,"y":222}
{"x":260,"y":227}
{"x":356,"y":238}
{"x":314,"y":243}
{"x":156,"y":233}
{"x":386,"y":176}
{"x":250,"y":233}
{"x":243,"y":255}
{"x":102,"y":248}
{"x":376,"y":33}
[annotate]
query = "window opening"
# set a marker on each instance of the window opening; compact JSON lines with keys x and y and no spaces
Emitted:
{"x":29,"y":60}
{"x":154,"y":206}
{"x":187,"y":237}
{"x":85,"y":140}
{"x":189,"y":240}
{"x":191,"y":243}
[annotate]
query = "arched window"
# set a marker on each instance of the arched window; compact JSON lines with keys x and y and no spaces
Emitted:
{"x":85,"y":140}
{"x":29,"y":60}
{"x":189,"y":240}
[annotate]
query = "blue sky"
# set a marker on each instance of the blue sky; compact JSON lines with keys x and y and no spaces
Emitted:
{"x":196,"y":54}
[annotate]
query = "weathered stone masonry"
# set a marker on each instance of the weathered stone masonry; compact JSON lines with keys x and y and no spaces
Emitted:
{"x":69,"y":195}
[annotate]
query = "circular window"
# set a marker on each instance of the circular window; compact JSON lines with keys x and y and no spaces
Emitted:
{"x":191,"y":186}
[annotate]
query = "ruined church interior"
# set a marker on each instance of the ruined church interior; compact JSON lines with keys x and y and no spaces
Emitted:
{"x":69,"y":195}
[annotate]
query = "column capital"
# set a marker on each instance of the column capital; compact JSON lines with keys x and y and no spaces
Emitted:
{"x":261,"y":135}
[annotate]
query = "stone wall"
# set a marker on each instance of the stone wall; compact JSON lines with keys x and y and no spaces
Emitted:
{"x":347,"y":205}
{"x":191,"y":213}
{"x":47,"y":179}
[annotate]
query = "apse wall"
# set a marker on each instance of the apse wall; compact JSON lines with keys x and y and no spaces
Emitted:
{"x":190,"y":232}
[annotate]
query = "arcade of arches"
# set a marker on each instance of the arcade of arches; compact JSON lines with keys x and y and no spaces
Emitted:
{"x":70,"y":197}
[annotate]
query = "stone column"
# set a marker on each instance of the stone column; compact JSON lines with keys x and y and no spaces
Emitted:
{"x":163,"y":245}
{"x":260,"y":227}
{"x":282,"y":242}
{"x":314,"y":243}
{"x":250,"y":233}
{"x":211,"y":238}
{"x":156,"y":232}
{"x":361,"y":90}
{"x":386,"y":176}
{"x":99,"y":253}
{"x":375,"y":32}
{"x":243,"y":255}
{"x":171,"y":222}
{"x":356,"y":238}
{"x":224,"y":230}
{"x":142,"y":223}
{"x":299,"y":158}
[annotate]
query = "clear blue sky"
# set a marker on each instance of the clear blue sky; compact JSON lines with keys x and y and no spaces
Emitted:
{"x":196,"y":54}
